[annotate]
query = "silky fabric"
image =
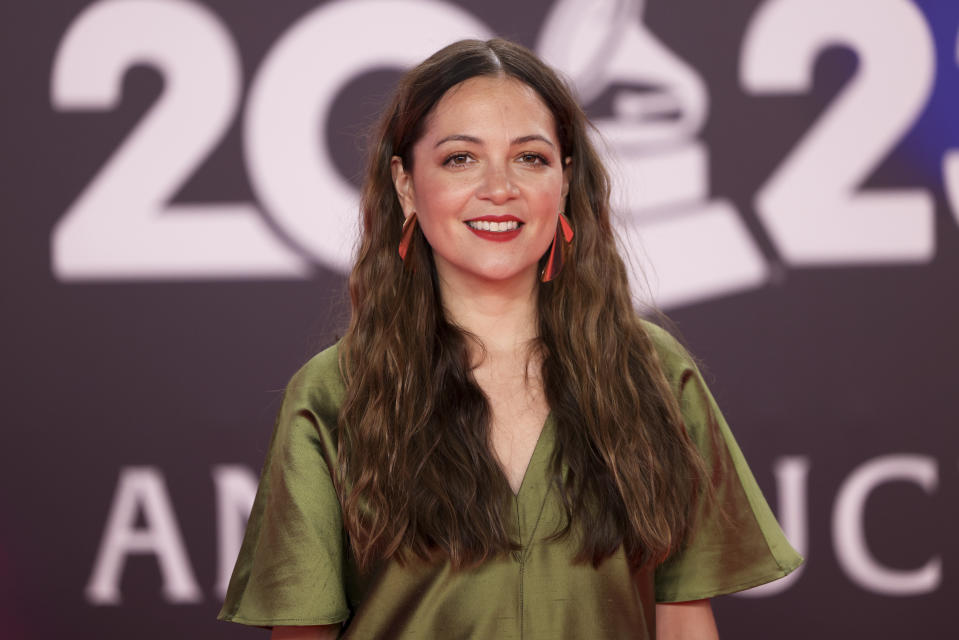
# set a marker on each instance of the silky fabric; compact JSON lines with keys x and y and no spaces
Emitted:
{"x":295,"y":567}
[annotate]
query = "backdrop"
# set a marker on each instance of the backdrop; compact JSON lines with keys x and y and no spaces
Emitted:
{"x":178,"y":207}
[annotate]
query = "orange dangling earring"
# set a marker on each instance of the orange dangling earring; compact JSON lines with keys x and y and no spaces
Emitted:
{"x":409,"y":225}
{"x":554,"y":263}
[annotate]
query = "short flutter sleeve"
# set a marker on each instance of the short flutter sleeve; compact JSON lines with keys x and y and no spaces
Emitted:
{"x":291,"y":565}
{"x":736,"y":542}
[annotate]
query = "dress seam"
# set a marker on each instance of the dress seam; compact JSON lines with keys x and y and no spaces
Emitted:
{"x":532,"y":531}
{"x":522,"y":597}
{"x":521,"y":559}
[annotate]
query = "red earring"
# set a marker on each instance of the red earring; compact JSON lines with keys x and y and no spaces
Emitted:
{"x":562,"y":239}
{"x":409,"y":225}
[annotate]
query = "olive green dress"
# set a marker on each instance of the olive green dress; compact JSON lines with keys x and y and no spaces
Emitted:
{"x":294,"y":567}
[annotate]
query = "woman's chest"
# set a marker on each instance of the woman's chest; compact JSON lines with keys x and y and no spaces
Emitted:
{"x":518,"y":416}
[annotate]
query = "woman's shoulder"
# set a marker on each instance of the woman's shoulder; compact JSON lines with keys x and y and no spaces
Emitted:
{"x":322,"y":364}
{"x":675,"y":359}
{"x":318,"y":383}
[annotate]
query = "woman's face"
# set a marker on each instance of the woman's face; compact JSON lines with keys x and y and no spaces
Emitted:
{"x":487,"y":183}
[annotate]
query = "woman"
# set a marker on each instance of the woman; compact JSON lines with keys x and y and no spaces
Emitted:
{"x":498,"y":447}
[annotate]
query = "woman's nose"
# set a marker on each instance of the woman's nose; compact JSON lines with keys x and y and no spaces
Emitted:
{"x":497,"y":187}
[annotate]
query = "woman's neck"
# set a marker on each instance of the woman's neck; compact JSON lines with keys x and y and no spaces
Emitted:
{"x":502,"y":315}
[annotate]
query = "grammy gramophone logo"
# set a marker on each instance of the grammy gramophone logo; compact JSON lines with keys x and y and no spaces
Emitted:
{"x":660,"y":170}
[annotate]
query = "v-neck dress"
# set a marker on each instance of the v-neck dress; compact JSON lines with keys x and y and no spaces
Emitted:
{"x":294,"y":565}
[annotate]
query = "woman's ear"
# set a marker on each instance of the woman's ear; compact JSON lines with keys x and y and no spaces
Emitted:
{"x":567,"y":174}
{"x":403,"y":183}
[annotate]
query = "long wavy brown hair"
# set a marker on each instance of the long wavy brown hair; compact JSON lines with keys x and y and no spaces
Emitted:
{"x":417,"y":475}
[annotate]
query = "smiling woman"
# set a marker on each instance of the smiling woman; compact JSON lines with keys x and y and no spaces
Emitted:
{"x":499,"y":446}
{"x":487,"y":169}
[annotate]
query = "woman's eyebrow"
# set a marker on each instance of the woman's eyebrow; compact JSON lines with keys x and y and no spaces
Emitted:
{"x":460,"y":137}
{"x":531,"y":138}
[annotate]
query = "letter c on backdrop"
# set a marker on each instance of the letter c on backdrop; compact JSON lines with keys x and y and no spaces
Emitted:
{"x":849,"y":538}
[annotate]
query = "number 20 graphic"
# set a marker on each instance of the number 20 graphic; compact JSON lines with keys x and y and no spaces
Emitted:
{"x":123,"y":225}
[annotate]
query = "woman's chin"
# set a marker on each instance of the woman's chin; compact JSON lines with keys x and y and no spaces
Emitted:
{"x":507,"y":276}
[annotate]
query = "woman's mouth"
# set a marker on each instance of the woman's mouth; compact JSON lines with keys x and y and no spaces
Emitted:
{"x":496,"y":228}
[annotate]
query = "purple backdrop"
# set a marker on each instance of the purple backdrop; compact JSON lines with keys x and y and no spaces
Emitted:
{"x":177,"y":206}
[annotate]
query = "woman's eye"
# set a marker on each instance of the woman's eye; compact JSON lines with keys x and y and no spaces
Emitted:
{"x":533,"y":158}
{"x":457,"y":159}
